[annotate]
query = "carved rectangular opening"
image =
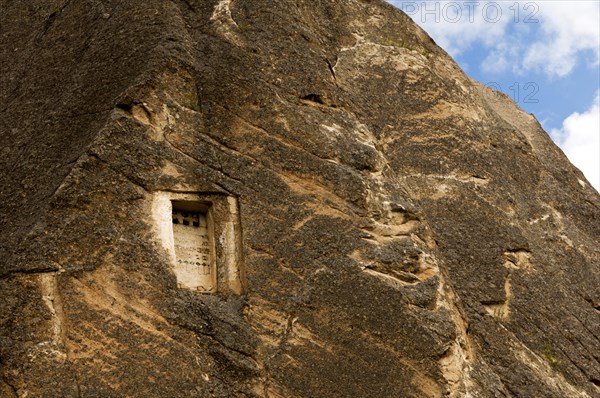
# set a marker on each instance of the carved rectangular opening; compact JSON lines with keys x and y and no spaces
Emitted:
{"x":202,"y":237}
{"x":193,"y":241}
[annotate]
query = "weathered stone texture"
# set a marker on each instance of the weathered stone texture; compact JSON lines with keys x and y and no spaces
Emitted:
{"x":403,"y":231}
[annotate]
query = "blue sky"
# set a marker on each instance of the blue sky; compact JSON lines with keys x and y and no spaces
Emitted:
{"x":543,"y":54}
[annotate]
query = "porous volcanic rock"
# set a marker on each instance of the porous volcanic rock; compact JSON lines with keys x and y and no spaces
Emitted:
{"x":382,"y":225}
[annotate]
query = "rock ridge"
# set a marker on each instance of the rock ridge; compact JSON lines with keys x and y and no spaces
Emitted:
{"x":380,"y":225}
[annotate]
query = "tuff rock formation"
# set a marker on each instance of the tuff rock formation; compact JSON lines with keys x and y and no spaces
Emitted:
{"x":371,"y":222}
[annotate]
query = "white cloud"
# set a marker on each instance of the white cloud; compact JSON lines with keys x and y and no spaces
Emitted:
{"x":568,"y":28}
{"x":579,"y":138}
{"x":501,"y":58}
{"x":458,"y":25}
{"x":548,"y":36}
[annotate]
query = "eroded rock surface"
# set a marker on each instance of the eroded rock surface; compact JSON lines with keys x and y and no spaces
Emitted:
{"x":382,"y":225}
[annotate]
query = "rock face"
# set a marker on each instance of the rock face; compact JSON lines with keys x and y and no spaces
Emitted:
{"x":370,"y":222}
